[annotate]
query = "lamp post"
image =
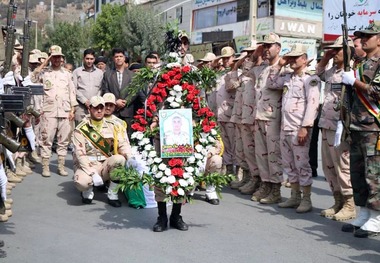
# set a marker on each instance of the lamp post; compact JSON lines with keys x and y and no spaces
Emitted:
{"x":36,"y":34}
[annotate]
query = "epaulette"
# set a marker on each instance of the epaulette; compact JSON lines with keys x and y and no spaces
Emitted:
{"x":82,"y":123}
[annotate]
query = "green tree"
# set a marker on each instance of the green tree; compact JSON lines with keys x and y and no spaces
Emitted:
{"x":106,"y":33}
{"x":142,"y":31}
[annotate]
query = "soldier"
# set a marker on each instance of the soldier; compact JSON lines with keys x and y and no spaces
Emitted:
{"x":58,"y":109}
{"x":88,"y":83}
{"x":267,"y":123}
{"x":335,"y":158}
{"x":300,"y":104}
{"x":365,"y":135}
{"x":97,"y":152}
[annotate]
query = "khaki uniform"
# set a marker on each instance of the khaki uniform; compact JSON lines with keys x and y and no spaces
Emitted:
{"x":267,"y":126}
{"x":214,"y":164}
{"x":335,"y":160}
{"x":87,"y":84}
{"x":58,"y":100}
{"x":88,"y":159}
{"x":300,"y":104}
{"x":225,"y":98}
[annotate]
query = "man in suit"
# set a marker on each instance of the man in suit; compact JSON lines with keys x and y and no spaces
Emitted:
{"x":117,"y":79}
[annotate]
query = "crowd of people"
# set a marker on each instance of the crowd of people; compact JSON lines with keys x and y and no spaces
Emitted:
{"x":267,"y":107}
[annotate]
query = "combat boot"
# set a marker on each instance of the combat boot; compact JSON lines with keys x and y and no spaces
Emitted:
{"x":305,"y":205}
{"x":236,"y":184}
{"x":33,"y":157}
{"x":262,"y":192}
{"x":29,"y":163}
{"x":251,"y":186}
{"x":45,"y":167}
{"x":9,"y":213}
{"x":295,"y":197}
{"x":274,"y":196}
{"x":348,"y":210}
{"x":8,"y":201}
{"x":12,"y":177}
{"x":3,"y":217}
{"x":223,"y":171}
{"x":229,"y":169}
{"x":13,"y":185}
{"x":25,"y":167}
{"x":336,"y":207}
{"x":239,"y":173}
{"x":19,"y":168}
{"x":61,"y":166}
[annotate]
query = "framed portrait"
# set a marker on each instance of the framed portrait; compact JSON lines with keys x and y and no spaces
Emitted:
{"x":176,"y":133}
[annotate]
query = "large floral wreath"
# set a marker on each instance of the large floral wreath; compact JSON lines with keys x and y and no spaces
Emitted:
{"x":175,"y":87}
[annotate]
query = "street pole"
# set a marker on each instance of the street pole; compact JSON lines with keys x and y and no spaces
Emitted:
{"x":36,"y":34}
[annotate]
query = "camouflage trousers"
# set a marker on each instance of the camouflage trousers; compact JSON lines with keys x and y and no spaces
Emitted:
{"x":365,"y":169}
{"x":50,"y":127}
{"x":267,"y":151}
{"x":241,"y":160}
{"x":295,"y":158}
{"x":248,"y":140}
{"x":336,"y":163}
{"x":227,"y":132}
{"x":83,"y":181}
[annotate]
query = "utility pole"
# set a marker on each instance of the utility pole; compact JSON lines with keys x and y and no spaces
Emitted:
{"x":52,"y":13}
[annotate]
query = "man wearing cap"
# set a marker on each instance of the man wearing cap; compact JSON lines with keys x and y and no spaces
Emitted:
{"x":268,"y":120}
{"x":110,"y":106}
{"x":365,"y":135}
{"x":58,"y":108}
{"x":116,"y":81}
{"x":225,"y":98}
{"x":335,"y":154}
{"x":300,"y":104}
{"x":98,"y":150}
{"x":187,"y":59}
{"x":88,"y":83}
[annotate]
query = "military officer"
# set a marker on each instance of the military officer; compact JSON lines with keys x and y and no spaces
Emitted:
{"x":99,"y":148}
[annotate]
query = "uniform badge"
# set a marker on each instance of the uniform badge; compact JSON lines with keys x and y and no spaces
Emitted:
{"x":313,"y":83}
{"x":285,"y":89}
{"x":48,"y":84}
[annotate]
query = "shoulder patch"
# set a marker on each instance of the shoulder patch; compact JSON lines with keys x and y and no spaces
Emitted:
{"x":313,"y":82}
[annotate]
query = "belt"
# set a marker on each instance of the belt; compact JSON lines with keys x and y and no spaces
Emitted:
{"x":97,"y":158}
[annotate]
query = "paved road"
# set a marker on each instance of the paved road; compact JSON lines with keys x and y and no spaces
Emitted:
{"x":50,"y":224}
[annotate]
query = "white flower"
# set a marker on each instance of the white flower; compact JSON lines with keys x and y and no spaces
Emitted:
{"x":174,"y":104}
{"x":168,"y":172}
{"x":190,"y":181}
{"x":211,"y":139}
{"x":163,"y":179}
{"x":191,"y":159}
{"x":202,"y":140}
{"x":213,"y":132}
{"x":168,"y":190}
{"x":183,"y":183}
{"x":159,"y":175}
{"x":154,"y":169}
{"x":181,"y":192}
{"x":173,"y":65}
{"x":204,"y":152}
{"x":144,"y":141}
{"x":173,"y":55}
{"x":139,"y":135}
{"x":148,"y":147}
{"x":149,"y":161}
{"x":196,"y":172}
{"x":144,"y":154}
{"x":178,"y":99}
{"x":189,"y":169}
{"x":186,"y":175}
{"x":152,"y":154}
{"x":157,"y":160}
{"x":162,"y":167}
{"x":177,"y":88}
{"x":171,"y":179}
{"x":198,"y":156}
{"x":170,"y":99}
{"x":203,"y":135}
{"x":200,"y":164}
{"x":198,"y":148}
{"x":172,"y":92}
{"x":133,"y":135}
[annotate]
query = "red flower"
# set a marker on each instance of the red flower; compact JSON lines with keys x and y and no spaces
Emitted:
{"x":210,"y":114}
{"x":175,"y":184}
{"x":159,"y":99}
{"x":175,"y":162}
{"x":149,"y":114}
{"x":186,"y":69}
{"x":178,"y":77}
{"x":178,"y":172}
{"x":152,"y":107}
{"x":212,"y":124}
{"x":190,"y":97}
{"x":172,"y":73}
{"x":161,"y":85}
{"x":165,"y":76}
{"x":206,"y":128}
{"x":143,"y":121}
{"x":137,"y":127}
{"x":195,"y":106}
{"x":140,"y":111}
{"x":174,"y":193}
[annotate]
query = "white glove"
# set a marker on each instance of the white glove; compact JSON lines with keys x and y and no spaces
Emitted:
{"x":9,"y":79}
{"x":27,"y":82}
{"x":348,"y":78}
{"x":3,"y":183}
{"x":97,"y":180}
{"x":338,"y":134}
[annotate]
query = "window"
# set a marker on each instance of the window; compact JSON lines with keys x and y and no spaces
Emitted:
{"x":178,"y":14}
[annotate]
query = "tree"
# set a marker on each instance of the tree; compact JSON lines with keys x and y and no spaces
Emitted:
{"x":142,"y":31}
{"x":106,"y":33}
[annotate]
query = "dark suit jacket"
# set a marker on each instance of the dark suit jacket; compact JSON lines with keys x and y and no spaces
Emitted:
{"x":110,"y":84}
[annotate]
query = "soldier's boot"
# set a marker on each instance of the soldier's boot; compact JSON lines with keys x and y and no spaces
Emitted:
{"x":29,"y":163}
{"x":246,"y":176}
{"x":295,"y":197}
{"x":262,"y":192}
{"x":229,"y":169}
{"x":13,"y":185}
{"x":8,"y":201}
{"x":45,"y":167}
{"x":348,"y":210}
{"x":3,"y":217}
{"x":9,"y":212}
{"x":12,"y":177}
{"x":223,"y":171}
{"x":338,"y":204}
{"x":305,"y":205}
{"x":25,"y":167}
{"x":61,"y":166}
{"x":239,"y":173}
{"x":33,"y":157}
{"x":19,"y":168}
{"x":251,"y":186}
{"x":9,"y":192}
{"x":274,"y":196}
